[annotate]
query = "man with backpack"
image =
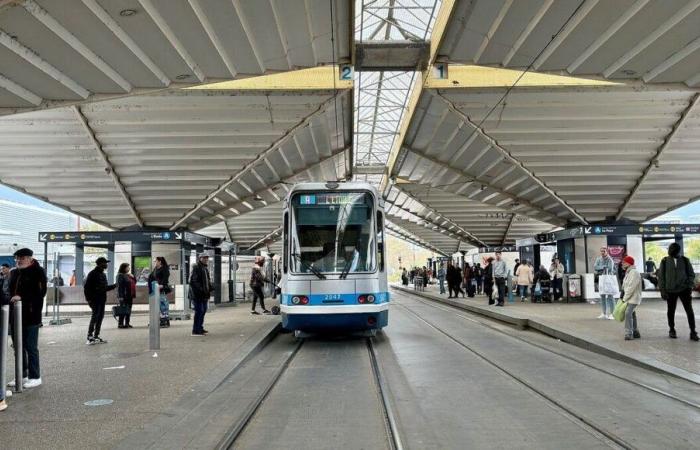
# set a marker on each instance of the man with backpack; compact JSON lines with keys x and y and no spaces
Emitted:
{"x":677,"y":280}
{"x":257,"y":281}
{"x":200,"y":291}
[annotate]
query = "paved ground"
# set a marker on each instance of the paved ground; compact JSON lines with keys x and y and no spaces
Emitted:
{"x":580,"y":318}
{"x":54,"y":416}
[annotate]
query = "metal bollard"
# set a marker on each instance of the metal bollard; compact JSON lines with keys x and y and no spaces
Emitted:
{"x":4,"y":328}
{"x":19,"y":349}
{"x":154,"y":318}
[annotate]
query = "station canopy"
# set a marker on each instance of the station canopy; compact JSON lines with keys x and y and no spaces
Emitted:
{"x":202,"y":114}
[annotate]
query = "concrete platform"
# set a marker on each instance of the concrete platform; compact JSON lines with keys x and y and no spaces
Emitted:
{"x":142,"y":384}
{"x":576,"y":323}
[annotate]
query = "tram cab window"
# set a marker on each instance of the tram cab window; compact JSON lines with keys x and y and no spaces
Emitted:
{"x":333,"y":232}
{"x":285,"y":233}
{"x":380,"y":240}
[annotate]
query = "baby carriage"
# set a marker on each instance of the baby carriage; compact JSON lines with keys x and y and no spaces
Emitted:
{"x":542,"y":293}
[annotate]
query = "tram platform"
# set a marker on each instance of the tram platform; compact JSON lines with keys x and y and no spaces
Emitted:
{"x":577,"y":324}
{"x":141,"y":384}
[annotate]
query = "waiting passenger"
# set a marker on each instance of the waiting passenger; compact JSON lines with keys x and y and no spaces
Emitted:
{"x":199,"y":293}
{"x":604,"y":267}
{"x":500,"y":274}
{"x":4,"y":300}
{"x":257,"y":281}
{"x":72,"y":279}
{"x":488,"y":279}
{"x":524,"y":278}
{"x":28,"y":284}
{"x":441,"y":277}
{"x":126,"y":291}
{"x":95,"y":290}
{"x":632,"y":285}
{"x":556,"y":270}
{"x":161,"y":275}
{"x":650,"y":266}
{"x":676,"y":280}
{"x":479,"y":278}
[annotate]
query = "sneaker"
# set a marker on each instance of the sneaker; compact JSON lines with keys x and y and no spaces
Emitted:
{"x":128,"y":326}
{"x":255,"y":313}
{"x":602,"y":316}
{"x":672,"y":334}
{"x":8,"y":393}
{"x":610,"y":317}
{"x":197,"y":334}
{"x":628,"y":338}
{"x":694,"y":336}
{"x":90,"y":341}
{"x":13,"y":383}
{"x":265,"y":311}
{"x":99,"y":340}
{"x":205,"y":331}
{"x":636,"y":335}
{"x":3,"y":405}
{"x":32,"y":383}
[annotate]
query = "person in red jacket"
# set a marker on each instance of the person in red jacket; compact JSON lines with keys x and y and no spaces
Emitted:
{"x":28,"y":285}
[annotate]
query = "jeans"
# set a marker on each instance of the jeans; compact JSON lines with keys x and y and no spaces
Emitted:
{"x":523,"y":290}
{"x":607,"y":303}
{"x":200,"y":309}
{"x":557,"y":288}
{"x":442,"y":285}
{"x":630,"y":320}
{"x":501,"y":286}
{"x":98,"y":313}
{"x":686,"y":301}
{"x":30,"y":352}
{"x":164,"y":306}
{"x":258,"y":293}
{"x":479,"y":284}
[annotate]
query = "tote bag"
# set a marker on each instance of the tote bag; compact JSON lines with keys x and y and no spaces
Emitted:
{"x":607,"y":285}
{"x":619,"y":311}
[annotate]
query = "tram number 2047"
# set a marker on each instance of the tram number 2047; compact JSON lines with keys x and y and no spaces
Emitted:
{"x":332,"y":297}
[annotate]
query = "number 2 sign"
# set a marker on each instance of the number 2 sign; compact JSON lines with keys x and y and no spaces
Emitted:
{"x":346,"y":72}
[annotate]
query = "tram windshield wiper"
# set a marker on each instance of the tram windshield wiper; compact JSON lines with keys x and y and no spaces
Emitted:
{"x":313,"y":270}
{"x":348,"y":264}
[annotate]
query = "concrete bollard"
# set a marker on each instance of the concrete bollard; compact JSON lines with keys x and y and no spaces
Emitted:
{"x":4,"y":328}
{"x":17,"y":342}
{"x":154,"y":318}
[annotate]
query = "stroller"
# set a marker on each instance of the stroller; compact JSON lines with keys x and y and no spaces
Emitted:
{"x":544,"y":293}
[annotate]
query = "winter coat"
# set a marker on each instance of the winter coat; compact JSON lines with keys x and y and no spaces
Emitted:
{"x":454,"y":276}
{"x":632,"y":286}
{"x":200,"y":284}
{"x":30,"y":284}
{"x":257,"y":278}
{"x":675,"y":277}
{"x":124,"y":287}
{"x":524,"y":274}
{"x":556,"y":271}
{"x":541,"y":275}
{"x":5,"y":290}
{"x":160,"y":275}
{"x":96,"y":287}
{"x":488,"y":275}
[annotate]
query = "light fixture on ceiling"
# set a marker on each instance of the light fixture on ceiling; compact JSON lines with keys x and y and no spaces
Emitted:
{"x":258,"y":198}
{"x":127,"y":12}
{"x":628,"y":72}
{"x":183,"y":76}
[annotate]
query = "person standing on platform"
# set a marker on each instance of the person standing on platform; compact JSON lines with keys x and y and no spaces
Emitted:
{"x":500,"y":277}
{"x":4,"y":300}
{"x":603,"y":266}
{"x":126,"y":292}
{"x":161,"y":275}
{"x":632,"y":286}
{"x":404,"y":277}
{"x":488,"y":279}
{"x":441,"y":277}
{"x":676,"y":280}
{"x":466,"y":277}
{"x":650,"y":266}
{"x":27,"y":284}
{"x":556,"y":270}
{"x":524,"y":278}
{"x":479,"y":277}
{"x":72,"y":279}
{"x":199,"y":293}
{"x":95,"y":290}
{"x":257,"y":282}
{"x":515,"y":270}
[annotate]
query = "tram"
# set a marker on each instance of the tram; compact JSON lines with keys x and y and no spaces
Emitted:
{"x":333,"y":267}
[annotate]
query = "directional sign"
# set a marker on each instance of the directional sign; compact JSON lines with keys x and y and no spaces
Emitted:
{"x":503,"y":248}
{"x":125,"y":236}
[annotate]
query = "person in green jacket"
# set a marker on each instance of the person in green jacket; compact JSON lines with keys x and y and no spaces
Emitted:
{"x":676,"y":280}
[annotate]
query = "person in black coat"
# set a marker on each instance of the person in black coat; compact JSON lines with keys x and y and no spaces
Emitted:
{"x":27,"y":284}
{"x":5,"y":284}
{"x":488,"y":280}
{"x":126,"y":286}
{"x":199,"y":293}
{"x":95,"y":289}
{"x":161,"y":275}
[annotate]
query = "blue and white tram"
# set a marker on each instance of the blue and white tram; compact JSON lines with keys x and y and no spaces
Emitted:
{"x":334,"y":272}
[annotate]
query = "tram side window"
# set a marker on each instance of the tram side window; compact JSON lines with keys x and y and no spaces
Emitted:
{"x":380,"y":240}
{"x":285,"y":251}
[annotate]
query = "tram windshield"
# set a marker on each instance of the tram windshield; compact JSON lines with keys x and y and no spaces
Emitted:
{"x":333,"y":232}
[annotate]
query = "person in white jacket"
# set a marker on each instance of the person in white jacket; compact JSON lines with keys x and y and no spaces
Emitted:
{"x":632,"y":286}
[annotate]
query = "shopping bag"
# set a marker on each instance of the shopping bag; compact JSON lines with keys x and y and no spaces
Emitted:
{"x":607,"y":285}
{"x":619,"y":311}
{"x":538,"y":289}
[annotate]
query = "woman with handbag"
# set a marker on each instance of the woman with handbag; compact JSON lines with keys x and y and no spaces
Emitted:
{"x":632,"y":287}
{"x":604,"y":268}
{"x":126,"y":291}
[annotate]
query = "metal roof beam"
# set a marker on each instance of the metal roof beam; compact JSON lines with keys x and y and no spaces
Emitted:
{"x":654,"y":161}
{"x":19,"y":91}
{"x":273,"y":235}
{"x":400,"y":233}
{"x":506,"y":154}
{"x":213,"y":37}
{"x":528,"y":29}
{"x":259,"y":159}
{"x":109,"y":168}
{"x":510,"y":225}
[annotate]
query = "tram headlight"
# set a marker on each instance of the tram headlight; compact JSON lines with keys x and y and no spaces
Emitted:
{"x":370,"y":298}
{"x":295,"y":300}
{"x":304,"y":300}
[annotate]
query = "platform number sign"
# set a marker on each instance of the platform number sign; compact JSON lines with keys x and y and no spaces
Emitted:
{"x":346,"y":72}
{"x":440,"y":70}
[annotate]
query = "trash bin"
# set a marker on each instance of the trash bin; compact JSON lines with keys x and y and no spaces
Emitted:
{"x":573,"y":288}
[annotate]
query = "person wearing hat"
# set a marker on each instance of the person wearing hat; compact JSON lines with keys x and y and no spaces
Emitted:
{"x":95,"y":289}
{"x":632,"y":286}
{"x":200,"y":291}
{"x":28,"y":284}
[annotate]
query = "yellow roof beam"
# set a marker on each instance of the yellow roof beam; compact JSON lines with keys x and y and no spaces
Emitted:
{"x":316,"y":78}
{"x":470,"y":76}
